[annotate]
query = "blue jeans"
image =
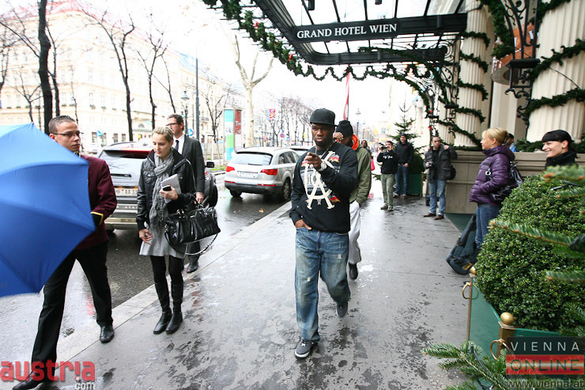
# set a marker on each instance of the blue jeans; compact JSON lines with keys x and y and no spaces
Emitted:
{"x":401,"y":180}
{"x":484,"y":214}
{"x":437,"y":190}
{"x":317,"y":253}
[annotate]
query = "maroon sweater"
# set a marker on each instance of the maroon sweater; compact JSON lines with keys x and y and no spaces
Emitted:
{"x":102,"y":199}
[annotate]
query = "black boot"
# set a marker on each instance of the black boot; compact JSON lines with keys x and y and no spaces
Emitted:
{"x":162,"y":290}
{"x":177,"y":318}
{"x":193,"y":264}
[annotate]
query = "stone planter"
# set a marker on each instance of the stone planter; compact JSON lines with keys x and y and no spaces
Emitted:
{"x":415,"y":184}
{"x":485,"y":327}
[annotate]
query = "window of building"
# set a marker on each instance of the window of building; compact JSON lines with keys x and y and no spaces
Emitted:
{"x":115,"y":137}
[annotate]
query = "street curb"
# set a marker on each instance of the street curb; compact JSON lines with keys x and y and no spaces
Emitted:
{"x":83,"y":338}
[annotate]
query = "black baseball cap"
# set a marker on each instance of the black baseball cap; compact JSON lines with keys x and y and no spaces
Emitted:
{"x":323,"y":116}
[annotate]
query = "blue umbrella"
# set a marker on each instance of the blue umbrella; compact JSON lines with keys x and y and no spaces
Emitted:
{"x":44,"y":207}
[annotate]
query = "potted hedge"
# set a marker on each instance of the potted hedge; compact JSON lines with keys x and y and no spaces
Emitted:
{"x":532,"y":265}
{"x":511,"y":268}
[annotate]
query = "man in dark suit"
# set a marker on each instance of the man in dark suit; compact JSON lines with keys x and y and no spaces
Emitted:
{"x":191,"y":149}
{"x":91,"y":254}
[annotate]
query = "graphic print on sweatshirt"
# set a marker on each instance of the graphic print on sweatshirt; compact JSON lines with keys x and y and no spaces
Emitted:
{"x":315,"y":188}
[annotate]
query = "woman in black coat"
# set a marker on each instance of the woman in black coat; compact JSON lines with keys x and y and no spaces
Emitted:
{"x":557,"y":145}
{"x":154,"y":205}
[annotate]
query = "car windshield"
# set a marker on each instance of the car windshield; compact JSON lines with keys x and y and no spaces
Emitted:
{"x":252,"y":158}
{"x":124,"y":161}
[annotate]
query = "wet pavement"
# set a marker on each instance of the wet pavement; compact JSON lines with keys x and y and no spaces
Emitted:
{"x":240,"y":332}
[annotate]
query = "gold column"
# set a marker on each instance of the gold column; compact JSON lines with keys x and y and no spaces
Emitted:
{"x":471,"y":73}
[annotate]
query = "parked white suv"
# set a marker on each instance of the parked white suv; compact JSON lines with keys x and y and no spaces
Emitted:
{"x":261,"y":170}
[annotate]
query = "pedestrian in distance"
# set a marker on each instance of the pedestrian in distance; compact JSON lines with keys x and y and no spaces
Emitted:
{"x":493,"y":174}
{"x":405,"y":152}
{"x":155,"y":203}
{"x":510,"y":142}
{"x":344,"y":134}
{"x":91,"y":254}
{"x":190,"y":149}
{"x":389,"y":160}
{"x":438,"y":161}
{"x":558,"y":148}
{"x":322,"y":185}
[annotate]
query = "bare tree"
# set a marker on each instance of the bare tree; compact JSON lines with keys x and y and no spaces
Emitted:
{"x":167,"y":86}
{"x":216,"y":97}
{"x":45,"y":46}
{"x":158,"y":47}
{"x":249,"y":83}
{"x":22,"y":89}
{"x":6,"y":44}
{"x":118,"y":33}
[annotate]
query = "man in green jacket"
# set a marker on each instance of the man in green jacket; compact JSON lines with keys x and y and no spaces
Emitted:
{"x":344,"y":134}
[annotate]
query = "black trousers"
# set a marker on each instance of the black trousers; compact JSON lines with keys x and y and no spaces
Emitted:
{"x":93,"y":262}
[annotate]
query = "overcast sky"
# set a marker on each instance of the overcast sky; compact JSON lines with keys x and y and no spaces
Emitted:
{"x":194,"y":29}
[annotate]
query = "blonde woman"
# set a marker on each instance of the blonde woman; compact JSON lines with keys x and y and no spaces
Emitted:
{"x":163,"y":161}
{"x":497,"y":166}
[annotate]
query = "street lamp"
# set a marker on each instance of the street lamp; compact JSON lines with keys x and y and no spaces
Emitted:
{"x":185,"y":99}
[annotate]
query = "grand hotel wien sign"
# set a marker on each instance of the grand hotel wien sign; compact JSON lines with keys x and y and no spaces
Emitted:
{"x":378,"y":29}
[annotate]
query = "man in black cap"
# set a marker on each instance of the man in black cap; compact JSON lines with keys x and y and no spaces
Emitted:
{"x":359,"y":195}
{"x":322,"y":185}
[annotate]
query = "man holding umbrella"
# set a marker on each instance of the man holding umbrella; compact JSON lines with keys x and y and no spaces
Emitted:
{"x":91,"y":254}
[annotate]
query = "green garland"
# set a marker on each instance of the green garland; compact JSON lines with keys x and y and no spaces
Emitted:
{"x":566,"y":52}
{"x":459,"y":130}
{"x":556,"y":101}
{"x":471,"y":111}
{"x":543,"y":8}
{"x":527,"y":146}
{"x":477,"y":60}
{"x":478,"y":87}
{"x":472,"y":34}
{"x":497,"y":10}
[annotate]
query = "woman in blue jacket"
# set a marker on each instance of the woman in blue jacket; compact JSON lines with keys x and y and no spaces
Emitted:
{"x":493,"y":175}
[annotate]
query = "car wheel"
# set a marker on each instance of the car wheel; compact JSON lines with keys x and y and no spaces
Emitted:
{"x":235,"y":194}
{"x":212,"y":201}
{"x":285,"y":193}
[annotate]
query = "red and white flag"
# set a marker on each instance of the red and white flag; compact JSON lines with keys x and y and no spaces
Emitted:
{"x":346,"y":106}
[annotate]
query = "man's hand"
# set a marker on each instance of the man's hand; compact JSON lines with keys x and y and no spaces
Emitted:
{"x":446,"y":147}
{"x":406,"y":165}
{"x":199,"y":197}
{"x":301,"y":224}
{"x":314,"y":160}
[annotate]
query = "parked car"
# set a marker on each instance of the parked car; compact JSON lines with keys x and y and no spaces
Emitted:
{"x":300,"y":149}
{"x":125,"y":160}
{"x":261,"y":170}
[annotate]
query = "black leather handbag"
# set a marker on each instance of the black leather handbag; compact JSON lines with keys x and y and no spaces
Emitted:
{"x":514,"y":180}
{"x":185,"y":227}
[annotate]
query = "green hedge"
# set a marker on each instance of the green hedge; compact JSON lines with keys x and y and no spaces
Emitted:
{"x":511,"y":267}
